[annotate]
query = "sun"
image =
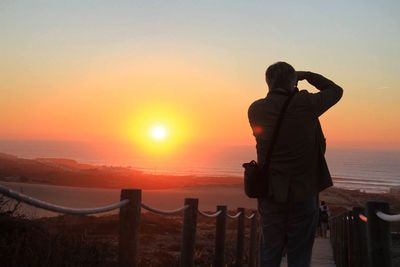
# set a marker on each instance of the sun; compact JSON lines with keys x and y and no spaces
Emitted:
{"x":158,"y":132}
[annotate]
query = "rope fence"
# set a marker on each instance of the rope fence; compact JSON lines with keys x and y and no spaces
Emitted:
{"x":388,"y":217}
{"x":383,"y":216}
{"x":164,"y":212}
{"x":349,"y":229}
{"x":212,"y":215}
{"x":56,"y":208}
{"x":130,"y":207}
{"x":251,"y":216}
{"x":362,"y":236}
{"x":234,"y":216}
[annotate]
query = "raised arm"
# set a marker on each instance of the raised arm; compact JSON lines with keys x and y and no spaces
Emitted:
{"x":330,"y":93}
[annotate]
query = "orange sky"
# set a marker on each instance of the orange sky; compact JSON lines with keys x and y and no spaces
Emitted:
{"x":109,"y":80}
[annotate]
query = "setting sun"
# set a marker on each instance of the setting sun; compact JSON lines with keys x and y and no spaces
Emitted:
{"x":158,"y":129}
{"x":158,"y":133}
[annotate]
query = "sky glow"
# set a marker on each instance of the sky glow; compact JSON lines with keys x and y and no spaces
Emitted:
{"x":100,"y":70}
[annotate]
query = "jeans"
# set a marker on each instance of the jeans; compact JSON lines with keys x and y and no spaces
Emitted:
{"x":290,"y":224}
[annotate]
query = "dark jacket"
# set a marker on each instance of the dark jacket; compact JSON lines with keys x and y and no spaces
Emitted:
{"x":297,"y":167}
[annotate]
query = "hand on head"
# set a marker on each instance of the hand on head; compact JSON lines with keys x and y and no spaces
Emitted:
{"x":301,"y":75}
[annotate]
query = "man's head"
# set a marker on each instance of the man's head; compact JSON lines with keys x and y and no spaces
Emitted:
{"x":281,"y":75}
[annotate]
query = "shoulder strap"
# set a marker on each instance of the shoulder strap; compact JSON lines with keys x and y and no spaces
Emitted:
{"x":276,"y":131}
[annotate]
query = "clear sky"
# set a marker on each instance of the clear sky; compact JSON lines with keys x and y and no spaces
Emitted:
{"x":110,"y":70}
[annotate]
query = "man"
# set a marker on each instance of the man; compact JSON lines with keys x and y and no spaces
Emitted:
{"x":297,"y":169}
{"x":324,"y":214}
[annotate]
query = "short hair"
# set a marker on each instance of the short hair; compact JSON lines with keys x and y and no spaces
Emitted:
{"x":280,"y":75}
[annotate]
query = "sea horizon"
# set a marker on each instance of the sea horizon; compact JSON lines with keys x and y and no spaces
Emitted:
{"x":352,"y":168}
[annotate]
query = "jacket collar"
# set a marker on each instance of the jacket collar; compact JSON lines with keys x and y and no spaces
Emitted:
{"x":279,"y":91}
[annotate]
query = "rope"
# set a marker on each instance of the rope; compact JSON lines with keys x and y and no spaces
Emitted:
{"x":163,"y":212}
{"x":250,"y":216}
{"x":56,"y":208}
{"x":212,"y":215}
{"x":388,"y":217}
{"x":234,"y":216}
{"x":86,"y":211}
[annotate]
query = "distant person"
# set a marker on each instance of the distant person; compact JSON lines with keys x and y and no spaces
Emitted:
{"x":324,"y":214}
{"x":297,"y":170}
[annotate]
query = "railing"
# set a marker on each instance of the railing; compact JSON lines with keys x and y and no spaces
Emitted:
{"x":361,"y":237}
{"x":130,"y":207}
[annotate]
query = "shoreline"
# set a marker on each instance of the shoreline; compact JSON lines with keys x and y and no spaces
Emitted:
{"x":69,"y":172}
{"x":67,"y":177}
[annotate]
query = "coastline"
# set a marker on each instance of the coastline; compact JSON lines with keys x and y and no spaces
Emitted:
{"x":70,"y":183}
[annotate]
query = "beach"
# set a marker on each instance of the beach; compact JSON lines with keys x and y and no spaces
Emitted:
{"x":72,"y":184}
{"x":368,"y":170}
{"x":209,"y":197}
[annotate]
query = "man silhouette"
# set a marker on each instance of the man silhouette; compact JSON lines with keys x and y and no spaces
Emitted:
{"x":297,"y":169}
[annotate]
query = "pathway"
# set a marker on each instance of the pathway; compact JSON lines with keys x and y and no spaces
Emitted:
{"x":322,"y":254}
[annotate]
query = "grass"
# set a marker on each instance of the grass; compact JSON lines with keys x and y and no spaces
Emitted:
{"x":93,"y":241}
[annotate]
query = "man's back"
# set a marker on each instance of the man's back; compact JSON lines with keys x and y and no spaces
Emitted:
{"x":295,"y":167}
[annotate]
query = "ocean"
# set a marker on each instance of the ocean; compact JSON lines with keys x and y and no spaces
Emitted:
{"x":365,"y":170}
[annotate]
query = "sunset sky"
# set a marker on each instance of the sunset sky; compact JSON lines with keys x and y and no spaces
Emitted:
{"x":111,"y":71}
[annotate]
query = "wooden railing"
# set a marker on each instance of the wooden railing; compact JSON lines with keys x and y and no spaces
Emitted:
{"x":361,"y":236}
{"x":129,"y":226}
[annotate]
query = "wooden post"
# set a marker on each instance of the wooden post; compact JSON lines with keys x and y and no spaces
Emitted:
{"x":337,"y":238}
{"x":350,"y":254}
{"x":240,"y":238}
{"x":219,"y":257}
{"x":344,"y":240}
{"x":331,"y":235}
{"x":189,"y":232}
{"x":253,"y":241}
{"x":379,"y":239}
{"x":357,"y":238}
{"x":364,"y":245}
{"x":129,"y":227}
{"x":338,"y":243}
{"x":341,"y":241}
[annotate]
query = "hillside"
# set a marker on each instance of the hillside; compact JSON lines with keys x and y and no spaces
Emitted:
{"x":69,"y":172}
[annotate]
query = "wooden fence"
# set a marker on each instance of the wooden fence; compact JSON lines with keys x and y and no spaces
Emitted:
{"x":361,"y":237}
{"x":130,"y":219}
